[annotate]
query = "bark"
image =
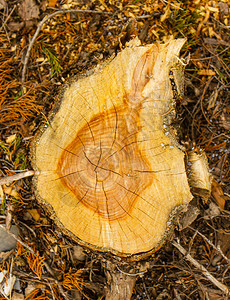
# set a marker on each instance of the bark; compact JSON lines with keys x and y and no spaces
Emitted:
{"x":119,"y":285}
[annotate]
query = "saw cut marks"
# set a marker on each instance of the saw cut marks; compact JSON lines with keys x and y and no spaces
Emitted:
{"x":103,"y":166}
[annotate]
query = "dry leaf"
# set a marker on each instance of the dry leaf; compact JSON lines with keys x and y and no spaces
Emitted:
{"x":28,"y":9}
{"x":224,"y":242}
{"x":52,"y":3}
{"x":11,"y":191}
{"x":35,"y":213}
{"x":15,"y":26}
{"x":218,"y":194}
{"x":166,"y":14}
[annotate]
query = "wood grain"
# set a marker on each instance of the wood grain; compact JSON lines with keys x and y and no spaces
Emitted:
{"x":109,"y":171}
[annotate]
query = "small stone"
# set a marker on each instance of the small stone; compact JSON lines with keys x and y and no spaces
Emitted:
{"x":7,"y":241}
{"x":78,"y":253}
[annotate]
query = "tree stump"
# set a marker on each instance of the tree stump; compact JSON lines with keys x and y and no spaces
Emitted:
{"x":109,"y":168}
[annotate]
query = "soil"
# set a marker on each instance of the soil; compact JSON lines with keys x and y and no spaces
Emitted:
{"x":46,"y":264}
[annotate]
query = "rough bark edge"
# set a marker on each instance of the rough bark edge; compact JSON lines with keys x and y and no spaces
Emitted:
{"x":128,"y":257}
{"x":49,"y":209}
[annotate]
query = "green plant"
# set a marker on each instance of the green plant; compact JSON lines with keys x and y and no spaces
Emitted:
{"x":184,"y":23}
{"x":53,"y":60}
{"x":3,"y":206}
{"x":21,"y":160}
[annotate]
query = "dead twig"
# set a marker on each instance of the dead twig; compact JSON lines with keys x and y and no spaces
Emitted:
{"x":43,"y":21}
{"x":6,"y":20}
{"x":9,"y":179}
{"x":52,"y":291}
{"x":200,"y":101}
{"x":18,"y":240}
{"x":211,"y":244}
{"x":205,"y":272}
{"x":28,"y":227}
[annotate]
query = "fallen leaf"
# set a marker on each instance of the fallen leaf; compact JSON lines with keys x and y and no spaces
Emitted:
{"x":11,"y":191}
{"x":166,"y":14}
{"x":28,"y":9}
{"x":35,"y":213}
{"x":30,"y":23}
{"x":52,"y":3}
{"x":15,"y":26}
{"x":218,"y":194}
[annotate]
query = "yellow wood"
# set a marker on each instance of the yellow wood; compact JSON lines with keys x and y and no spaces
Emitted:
{"x":109,"y":170}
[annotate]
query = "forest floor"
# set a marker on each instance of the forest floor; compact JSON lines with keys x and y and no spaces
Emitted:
{"x":44,"y":263}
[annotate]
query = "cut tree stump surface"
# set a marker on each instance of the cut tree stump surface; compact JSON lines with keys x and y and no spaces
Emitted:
{"x":108,"y":167}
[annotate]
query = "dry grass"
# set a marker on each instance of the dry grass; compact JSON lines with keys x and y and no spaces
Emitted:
{"x":72,"y":280}
{"x":16,"y":105}
{"x":36,"y":263}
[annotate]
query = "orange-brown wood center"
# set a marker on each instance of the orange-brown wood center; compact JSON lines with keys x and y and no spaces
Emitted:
{"x":103,"y":166}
